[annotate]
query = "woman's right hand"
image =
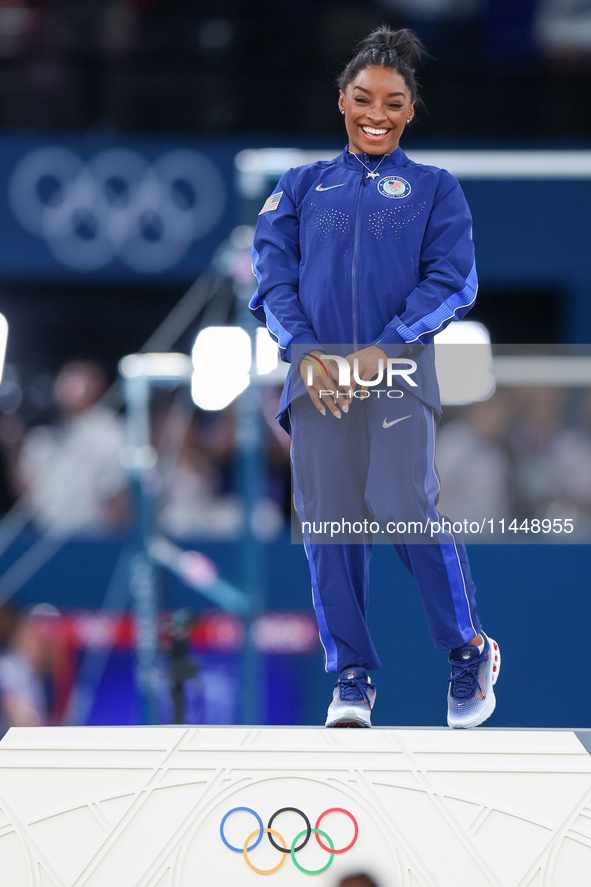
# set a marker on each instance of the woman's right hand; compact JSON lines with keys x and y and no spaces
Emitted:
{"x":323,"y":376}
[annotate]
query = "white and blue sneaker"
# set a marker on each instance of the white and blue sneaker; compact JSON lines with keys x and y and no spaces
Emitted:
{"x":471,"y":698}
{"x":352,"y":700}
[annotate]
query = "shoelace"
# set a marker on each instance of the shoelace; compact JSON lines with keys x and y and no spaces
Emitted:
{"x":464,"y":678}
{"x":354,"y":689}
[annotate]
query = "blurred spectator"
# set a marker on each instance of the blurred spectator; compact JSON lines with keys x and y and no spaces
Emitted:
{"x":474,"y":468}
{"x":17,"y":20}
{"x":22,"y":699}
{"x":172,"y":65}
{"x":197,"y":482}
{"x":277,"y":446}
{"x":96,"y":38}
{"x":71,"y":472}
{"x":540,"y":419}
{"x":569,"y":473}
{"x":564,"y":28}
{"x":191,"y":503}
{"x":563,"y":31}
{"x":449,"y":29}
{"x":571,"y":457}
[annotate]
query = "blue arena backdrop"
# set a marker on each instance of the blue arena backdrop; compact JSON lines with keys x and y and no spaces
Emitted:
{"x":532,"y":596}
{"x":71,"y":203}
{"x":118,"y":210}
{"x":530,"y":233}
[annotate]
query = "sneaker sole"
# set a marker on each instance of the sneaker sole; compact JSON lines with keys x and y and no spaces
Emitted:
{"x":349,"y":718}
{"x":347,"y":724}
{"x":491,"y":702}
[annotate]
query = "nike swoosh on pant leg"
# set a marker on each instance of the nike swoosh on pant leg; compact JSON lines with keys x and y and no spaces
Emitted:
{"x":393,"y":422}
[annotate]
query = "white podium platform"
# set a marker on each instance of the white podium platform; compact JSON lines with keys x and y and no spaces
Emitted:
{"x":142,"y":807}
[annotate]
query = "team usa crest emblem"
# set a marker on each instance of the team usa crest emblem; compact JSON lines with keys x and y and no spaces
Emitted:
{"x":394,"y":186}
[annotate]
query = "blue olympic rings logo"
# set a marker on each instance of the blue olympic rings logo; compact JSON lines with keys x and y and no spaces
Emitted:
{"x":117,"y":204}
{"x":295,"y":847}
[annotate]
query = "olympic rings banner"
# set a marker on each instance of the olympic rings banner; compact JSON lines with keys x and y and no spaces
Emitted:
{"x":288,"y":848}
{"x":115,"y":209}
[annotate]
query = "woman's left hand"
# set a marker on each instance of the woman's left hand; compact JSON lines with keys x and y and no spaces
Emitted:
{"x":367,"y":364}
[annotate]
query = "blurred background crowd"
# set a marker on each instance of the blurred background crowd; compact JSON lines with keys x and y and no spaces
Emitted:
{"x":499,"y":68}
{"x":122,"y":125}
{"x":524,"y":453}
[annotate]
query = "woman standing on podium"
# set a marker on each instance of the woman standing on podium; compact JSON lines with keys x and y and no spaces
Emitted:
{"x":366,"y":257}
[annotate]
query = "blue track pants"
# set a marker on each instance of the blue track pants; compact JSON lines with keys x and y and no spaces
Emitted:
{"x":376,"y":462}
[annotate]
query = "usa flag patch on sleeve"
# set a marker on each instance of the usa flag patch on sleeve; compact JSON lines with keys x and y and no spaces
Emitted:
{"x":271,"y":203}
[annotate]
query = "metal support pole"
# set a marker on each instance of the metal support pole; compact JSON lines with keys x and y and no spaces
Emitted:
{"x":248,"y":439}
{"x":140,"y":372}
{"x":251,"y":481}
{"x":142,"y":575}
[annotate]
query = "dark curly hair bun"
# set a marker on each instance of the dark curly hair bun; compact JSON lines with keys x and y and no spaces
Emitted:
{"x":403,"y":43}
{"x":400,"y":50}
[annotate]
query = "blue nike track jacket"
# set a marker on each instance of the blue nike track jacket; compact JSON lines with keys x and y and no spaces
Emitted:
{"x":343,"y":258}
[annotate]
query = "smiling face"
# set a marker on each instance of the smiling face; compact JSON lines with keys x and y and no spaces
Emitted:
{"x":377,"y":105}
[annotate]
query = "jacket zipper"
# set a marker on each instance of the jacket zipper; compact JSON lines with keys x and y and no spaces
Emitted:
{"x":354,"y":293}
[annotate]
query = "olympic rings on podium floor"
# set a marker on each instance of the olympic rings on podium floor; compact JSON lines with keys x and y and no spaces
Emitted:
{"x":308,"y":831}
{"x":270,"y":832}
{"x":336,"y":810}
{"x":330,"y":858}
{"x":295,"y":847}
{"x":259,"y":820}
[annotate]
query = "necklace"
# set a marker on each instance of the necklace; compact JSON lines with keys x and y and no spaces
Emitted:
{"x":370,"y":174}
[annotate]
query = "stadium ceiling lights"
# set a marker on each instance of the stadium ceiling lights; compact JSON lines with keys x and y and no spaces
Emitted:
{"x":266,"y":354}
{"x":222,"y":364}
{"x":156,"y":366}
{"x":464,"y":363}
{"x":222,"y":358}
{"x":219,"y":369}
